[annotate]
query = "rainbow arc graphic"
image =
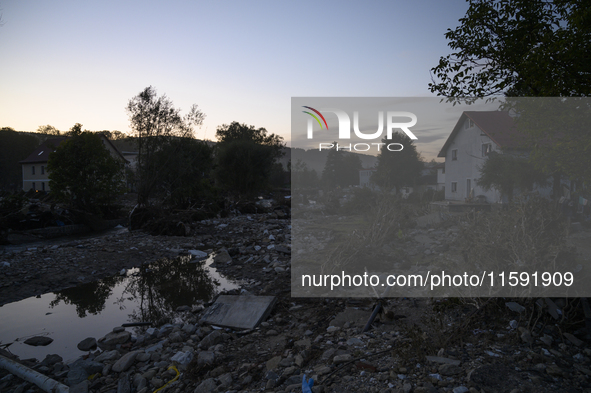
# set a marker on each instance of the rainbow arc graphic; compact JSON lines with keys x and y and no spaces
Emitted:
{"x":314,"y":116}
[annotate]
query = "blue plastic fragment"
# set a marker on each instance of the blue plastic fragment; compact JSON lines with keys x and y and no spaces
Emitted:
{"x":307,"y":386}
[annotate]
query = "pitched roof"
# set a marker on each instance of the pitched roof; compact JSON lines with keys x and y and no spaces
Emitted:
{"x":41,"y":154}
{"x":497,"y":125}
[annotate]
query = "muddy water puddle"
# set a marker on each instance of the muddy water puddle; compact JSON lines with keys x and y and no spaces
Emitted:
{"x":147,"y":294}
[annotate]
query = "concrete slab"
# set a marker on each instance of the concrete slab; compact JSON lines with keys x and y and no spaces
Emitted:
{"x":239,"y":312}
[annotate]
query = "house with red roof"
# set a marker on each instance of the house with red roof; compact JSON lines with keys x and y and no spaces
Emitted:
{"x":474,"y":136}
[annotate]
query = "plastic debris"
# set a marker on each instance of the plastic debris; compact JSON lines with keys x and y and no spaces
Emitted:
{"x":307,"y":385}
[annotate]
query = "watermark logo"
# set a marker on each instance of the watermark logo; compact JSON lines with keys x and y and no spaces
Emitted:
{"x":392,"y":120}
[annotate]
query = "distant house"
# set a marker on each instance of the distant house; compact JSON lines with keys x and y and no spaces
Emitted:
{"x":365,"y":176}
{"x":474,"y":136}
{"x":35,"y":175}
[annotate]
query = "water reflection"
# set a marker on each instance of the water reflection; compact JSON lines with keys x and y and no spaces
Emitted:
{"x":167,"y":284}
{"x":155,"y":290}
{"x":89,"y":298}
{"x":147,"y":294}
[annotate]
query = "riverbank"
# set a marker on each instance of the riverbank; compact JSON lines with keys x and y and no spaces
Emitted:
{"x":414,"y":345}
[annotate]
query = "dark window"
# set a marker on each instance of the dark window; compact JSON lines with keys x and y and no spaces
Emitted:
{"x":33,"y":170}
{"x":454,"y":154}
{"x":43,"y":185}
{"x":42,"y":169}
{"x":33,"y":186}
{"x":454,"y":186}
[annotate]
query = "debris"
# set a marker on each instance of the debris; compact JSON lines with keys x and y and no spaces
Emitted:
{"x":239,"y":312}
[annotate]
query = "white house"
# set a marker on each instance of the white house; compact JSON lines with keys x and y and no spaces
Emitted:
{"x":474,"y":136}
{"x":440,"y":176}
{"x":365,"y":176}
{"x":34,"y":167}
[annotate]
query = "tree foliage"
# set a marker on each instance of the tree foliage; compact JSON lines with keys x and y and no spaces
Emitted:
{"x":245,"y":157}
{"x":341,"y":168}
{"x":183,"y":167}
{"x":302,"y":176}
{"x":14,"y":147}
{"x":83,"y":173}
{"x":520,"y":48}
{"x":48,"y":130}
{"x":398,"y":168}
{"x":509,"y":172}
{"x":155,"y":123}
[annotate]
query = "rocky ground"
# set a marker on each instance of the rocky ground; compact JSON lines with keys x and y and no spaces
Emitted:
{"x":414,"y":345}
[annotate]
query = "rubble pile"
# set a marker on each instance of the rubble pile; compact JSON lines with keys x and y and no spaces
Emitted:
{"x":414,"y":345}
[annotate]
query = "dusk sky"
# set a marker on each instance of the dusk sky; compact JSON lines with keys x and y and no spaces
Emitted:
{"x":65,"y":61}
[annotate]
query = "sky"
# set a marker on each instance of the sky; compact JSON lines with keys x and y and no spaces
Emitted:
{"x":65,"y":62}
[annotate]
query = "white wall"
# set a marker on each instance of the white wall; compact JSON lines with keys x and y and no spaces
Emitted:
{"x":468,"y":143}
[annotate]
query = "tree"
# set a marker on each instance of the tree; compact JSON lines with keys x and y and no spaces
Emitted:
{"x":245,"y":156}
{"x":520,"y":48}
{"x":507,"y":172}
{"x":398,"y":168}
{"x":155,"y":122}
{"x":183,"y":165}
{"x":83,"y":173}
{"x":14,"y":147}
{"x":341,"y":168}
{"x":48,"y":130}
{"x":302,"y":177}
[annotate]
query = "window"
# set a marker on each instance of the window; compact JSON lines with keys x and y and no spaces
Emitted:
{"x":33,"y":186}
{"x":42,"y":169}
{"x":443,"y":170}
{"x":454,"y":186}
{"x":454,"y":154}
{"x":486,"y":148}
{"x":43,"y":184}
{"x":469,"y":123}
{"x":33,"y":170}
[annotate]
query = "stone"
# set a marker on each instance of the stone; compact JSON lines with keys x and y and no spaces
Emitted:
{"x":339,"y":359}
{"x":573,"y":339}
{"x":205,"y":357}
{"x":442,"y":360}
{"x":125,"y":362}
{"x":88,"y":344}
{"x":213,"y":338}
{"x":76,"y":375}
{"x":354,"y":341}
{"x":554,"y":370}
{"x":516,"y":307}
{"x":123,"y":384}
{"x":225,"y":380}
{"x":39,"y":341}
{"x":222,"y":257}
{"x":526,"y":337}
{"x":110,"y":341}
{"x":206,"y":386}
{"x":108,"y":355}
{"x":198,"y":254}
{"x":81,"y":387}
{"x":273,"y":363}
{"x":175,"y":337}
{"x":51,"y":359}
{"x":461,"y":389}
{"x":449,"y":369}
{"x":142,"y":357}
{"x":118,"y":329}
